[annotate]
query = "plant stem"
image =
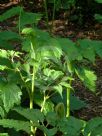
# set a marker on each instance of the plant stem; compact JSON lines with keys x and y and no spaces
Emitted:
{"x":31,"y":99}
{"x":43,"y":103}
{"x":69,"y":66}
{"x":68,"y":100}
{"x":33,"y":130}
{"x":46,"y":12}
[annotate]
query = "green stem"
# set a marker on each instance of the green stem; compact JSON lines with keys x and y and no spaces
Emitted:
{"x":68,"y":101}
{"x":32,"y":90}
{"x":31,"y":99}
{"x":69,"y":66}
{"x":46,"y":12}
{"x":33,"y":129}
{"x":44,"y":101}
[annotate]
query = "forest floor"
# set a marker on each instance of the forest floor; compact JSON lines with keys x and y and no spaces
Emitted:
{"x":74,"y":32}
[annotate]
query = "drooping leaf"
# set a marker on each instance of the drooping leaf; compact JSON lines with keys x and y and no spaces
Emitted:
{"x":32,"y":114}
{"x":10,"y":94}
{"x":87,"y":77}
{"x":59,"y":89}
{"x":94,"y":127}
{"x":16,"y":124}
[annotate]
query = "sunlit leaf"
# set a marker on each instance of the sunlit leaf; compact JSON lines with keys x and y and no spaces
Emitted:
{"x":87,"y":77}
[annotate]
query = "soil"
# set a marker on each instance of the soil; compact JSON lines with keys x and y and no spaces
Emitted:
{"x":71,"y":30}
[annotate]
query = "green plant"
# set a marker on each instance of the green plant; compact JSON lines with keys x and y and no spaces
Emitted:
{"x":43,"y":68}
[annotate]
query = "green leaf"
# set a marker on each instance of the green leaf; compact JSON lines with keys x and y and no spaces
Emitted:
{"x":29,"y":18}
{"x":97,"y":131}
{"x":2,"y":67}
{"x":53,"y":74}
{"x":71,"y":126}
{"x":17,"y":125}
{"x":69,"y":48}
{"x":10,"y":94}
{"x":49,"y":106}
{"x":32,"y":114}
{"x":76,"y":103}
{"x":2,"y":113}
{"x":8,"y":54}
{"x":6,"y":45}
{"x":29,"y":31}
{"x":6,"y":63}
{"x":49,"y":132}
{"x":3,"y":54}
{"x":94,"y":127}
{"x":65,"y":84}
{"x":51,"y":118}
{"x":10,"y":13}
{"x":38,"y":99}
{"x":87,"y":77}
{"x":26,"y":45}
{"x":86,"y":49}
{"x":98,"y":17}
{"x":9,"y":35}
{"x":98,"y":1}
{"x":58,"y":88}
{"x":4,"y":134}
{"x":97,"y":45}
{"x":46,"y":52}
